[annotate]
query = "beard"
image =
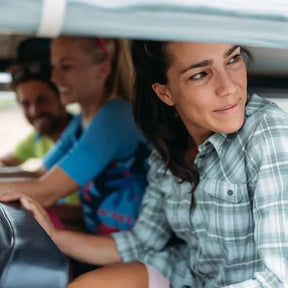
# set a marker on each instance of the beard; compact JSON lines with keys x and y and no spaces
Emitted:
{"x":47,"y":124}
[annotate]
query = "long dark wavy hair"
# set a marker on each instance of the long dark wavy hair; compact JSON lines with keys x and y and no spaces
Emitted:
{"x":159,"y":122}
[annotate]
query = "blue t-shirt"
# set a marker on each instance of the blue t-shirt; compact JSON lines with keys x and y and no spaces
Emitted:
{"x":108,"y":161}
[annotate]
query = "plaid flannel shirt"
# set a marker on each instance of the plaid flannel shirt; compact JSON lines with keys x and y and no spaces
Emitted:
{"x":236,"y":235}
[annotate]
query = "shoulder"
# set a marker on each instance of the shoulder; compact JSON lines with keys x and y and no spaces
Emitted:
{"x":115,"y":115}
{"x":265,"y":131}
{"x":74,"y":123}
{"x":263,"y":116}
{"x":45,"y":140}
{"x":32,"y":137}
{"x":117,"y":107}
{"x":157,"y":167}
{"x":26,"y":145}
{"x":259,"y":107}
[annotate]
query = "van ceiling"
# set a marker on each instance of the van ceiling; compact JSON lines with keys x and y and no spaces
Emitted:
{"x":267,"y":61}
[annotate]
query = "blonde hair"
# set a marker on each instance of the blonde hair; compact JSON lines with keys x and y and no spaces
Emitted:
{"x":119,"y":81}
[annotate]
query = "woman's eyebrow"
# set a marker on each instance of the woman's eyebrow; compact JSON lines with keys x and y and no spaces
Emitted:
{"x":231,"y":50}
{"x":197,"y":65}
{"x":209,"y":62}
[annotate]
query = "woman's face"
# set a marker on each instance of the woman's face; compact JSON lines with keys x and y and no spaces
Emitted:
{"x":207,"y":86}
{"x":76,"y":76}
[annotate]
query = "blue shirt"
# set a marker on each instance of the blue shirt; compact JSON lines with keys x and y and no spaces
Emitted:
{"x":108,"y":161}
{"x":236,"y":235}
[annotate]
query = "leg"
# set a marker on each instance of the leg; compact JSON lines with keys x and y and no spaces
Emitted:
{"x":120,"y":275}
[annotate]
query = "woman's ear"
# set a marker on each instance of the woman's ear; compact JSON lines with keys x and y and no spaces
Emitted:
{"x":163,"y":93}
{"x":103,"y":69}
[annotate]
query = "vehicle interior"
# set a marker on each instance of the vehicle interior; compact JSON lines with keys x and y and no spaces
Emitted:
{"x":259,"y":25}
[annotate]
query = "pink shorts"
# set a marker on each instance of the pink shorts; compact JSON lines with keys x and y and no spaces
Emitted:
{"x":55,"y":219}
{"x":156,"y":279}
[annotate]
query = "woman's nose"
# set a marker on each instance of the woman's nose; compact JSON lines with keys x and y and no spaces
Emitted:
{"x":225,"y":84}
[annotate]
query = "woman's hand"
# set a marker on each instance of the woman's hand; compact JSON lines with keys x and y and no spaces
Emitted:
{"x":34,"y":208}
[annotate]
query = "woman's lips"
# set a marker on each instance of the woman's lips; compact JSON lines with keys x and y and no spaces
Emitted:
{"x":227,"y":108}
{"x":63,"y":90}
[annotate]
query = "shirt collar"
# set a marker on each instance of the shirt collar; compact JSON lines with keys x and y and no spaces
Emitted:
{"x":256,"y":103}
{"x":38,"y":136}
{"x":216,"y":141}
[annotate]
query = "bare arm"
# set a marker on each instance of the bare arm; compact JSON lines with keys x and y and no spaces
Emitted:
{"x":91,"y":249}
{"x":46,"y":190}
{"x":97,"y":250}
{"x":9,"y":172}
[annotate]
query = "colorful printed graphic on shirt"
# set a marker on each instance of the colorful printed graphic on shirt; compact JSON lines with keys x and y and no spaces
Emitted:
{"x":111,"y":202}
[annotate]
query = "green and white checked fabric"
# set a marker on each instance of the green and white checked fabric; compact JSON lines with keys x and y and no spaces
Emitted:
{"x":237,"y":233}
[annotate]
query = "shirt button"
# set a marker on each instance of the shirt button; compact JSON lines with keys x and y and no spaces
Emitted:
{"x":230,"y":192}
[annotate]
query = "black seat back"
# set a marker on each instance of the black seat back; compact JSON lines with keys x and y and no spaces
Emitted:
{"x":28,"y":257}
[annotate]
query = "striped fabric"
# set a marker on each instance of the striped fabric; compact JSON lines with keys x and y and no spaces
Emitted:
{"x":237,"y":233}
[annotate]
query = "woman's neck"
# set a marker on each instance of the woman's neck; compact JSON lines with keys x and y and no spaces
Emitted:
{"x":90,"y":109}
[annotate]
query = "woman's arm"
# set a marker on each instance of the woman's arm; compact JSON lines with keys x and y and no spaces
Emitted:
{"x":91,"y":249}
{"x":267,"y":156}
{"x":47,"y":189}
{"x":96,"y":250}
{"x":16,"y":172}
{"x":9,"y":160}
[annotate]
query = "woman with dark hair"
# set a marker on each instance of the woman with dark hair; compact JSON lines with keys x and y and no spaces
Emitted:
{"x":216,"y":208}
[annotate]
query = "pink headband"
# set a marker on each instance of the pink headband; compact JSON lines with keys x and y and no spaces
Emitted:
{"x":103,"y":46}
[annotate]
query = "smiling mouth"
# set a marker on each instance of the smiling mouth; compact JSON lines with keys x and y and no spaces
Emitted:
{"x":227,"y":108}
{"x":41,"y":119}
{"x":63,"y":90}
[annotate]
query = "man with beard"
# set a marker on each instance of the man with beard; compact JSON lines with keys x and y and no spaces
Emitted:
{"x":39,"y":99}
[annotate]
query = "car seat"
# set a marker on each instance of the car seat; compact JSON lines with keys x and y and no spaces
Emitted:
{"x":28,"y":257}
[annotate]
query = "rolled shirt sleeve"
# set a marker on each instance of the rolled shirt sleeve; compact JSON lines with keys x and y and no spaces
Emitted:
{"x":149,"y":241}
{"x":261,"y":158}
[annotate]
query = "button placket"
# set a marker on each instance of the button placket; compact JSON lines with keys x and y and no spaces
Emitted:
{"x":230,"y":192}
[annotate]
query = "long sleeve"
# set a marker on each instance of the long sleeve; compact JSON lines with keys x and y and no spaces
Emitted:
{"x":150,"y":239}
{"x":267,"y":155}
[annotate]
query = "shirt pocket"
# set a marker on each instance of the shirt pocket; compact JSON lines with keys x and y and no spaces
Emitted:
{"x":225,"y":208}
{"x":224,"y":191}
{"x":223,"y":222}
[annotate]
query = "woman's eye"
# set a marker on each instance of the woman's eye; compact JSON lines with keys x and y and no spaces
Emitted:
{"x":234,"y":59}
{"x":66,"y":67}
{"x":198,"y":76}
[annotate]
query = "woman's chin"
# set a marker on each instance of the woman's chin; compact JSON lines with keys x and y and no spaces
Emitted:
{"x":230,"y":128}
{"x":66,"y":100}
